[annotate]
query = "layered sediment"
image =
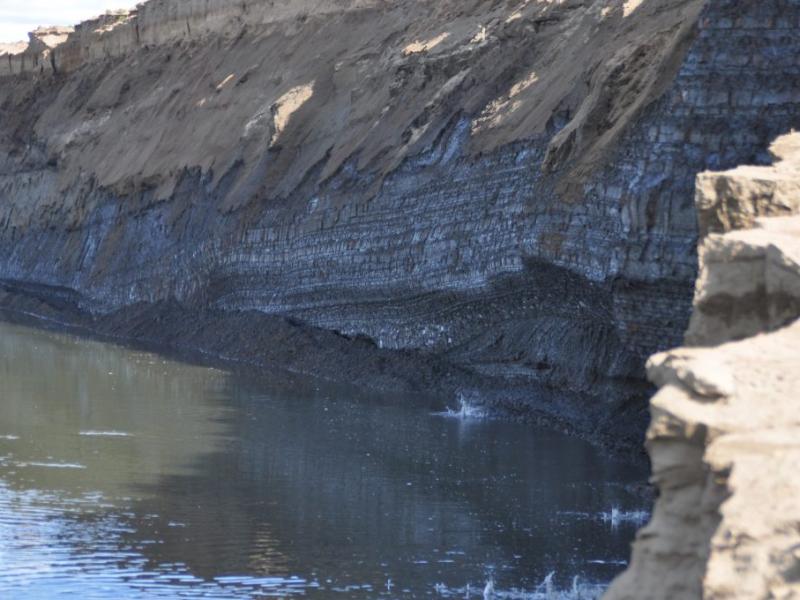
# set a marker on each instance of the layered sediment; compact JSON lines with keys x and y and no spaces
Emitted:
{"x":725,"y":434}
{"x":505,"y":188}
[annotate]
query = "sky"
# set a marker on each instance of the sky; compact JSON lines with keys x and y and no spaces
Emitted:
{"x":18,"y":17}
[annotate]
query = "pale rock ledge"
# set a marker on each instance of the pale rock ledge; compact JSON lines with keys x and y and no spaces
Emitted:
{"x":725,"y":433}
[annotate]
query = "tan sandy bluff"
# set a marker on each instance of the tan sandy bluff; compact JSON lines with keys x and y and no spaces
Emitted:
{"x":725,"y":435}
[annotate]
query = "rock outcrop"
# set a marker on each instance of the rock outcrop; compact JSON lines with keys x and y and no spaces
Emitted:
{"x":504,"y":186}
{"x":725,"y":434}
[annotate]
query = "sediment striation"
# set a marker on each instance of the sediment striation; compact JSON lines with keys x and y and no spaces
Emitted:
{"x":725,"y":433}
{"x":504,"y":188}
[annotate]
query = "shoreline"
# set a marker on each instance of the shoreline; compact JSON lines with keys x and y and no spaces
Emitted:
{"x":256,"y":344}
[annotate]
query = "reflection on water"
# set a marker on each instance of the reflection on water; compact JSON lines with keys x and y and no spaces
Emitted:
{"x":124,"y":474}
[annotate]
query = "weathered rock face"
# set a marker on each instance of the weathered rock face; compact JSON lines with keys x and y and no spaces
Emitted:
{"x":747,"y":283}
{"x":725,"y":435}
{"x":508,"y":186}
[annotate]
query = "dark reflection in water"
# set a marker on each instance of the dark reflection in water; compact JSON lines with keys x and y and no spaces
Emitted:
{"x":125,"y":474}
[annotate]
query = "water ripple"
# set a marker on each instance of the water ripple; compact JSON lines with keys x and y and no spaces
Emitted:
{"x":46,"y":553}
{"x":104,"y":434}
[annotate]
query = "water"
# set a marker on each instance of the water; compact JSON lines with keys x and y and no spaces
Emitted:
{"x":124,"y":474}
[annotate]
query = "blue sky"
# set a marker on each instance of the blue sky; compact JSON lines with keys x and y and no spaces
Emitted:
{"x":18,"y":17}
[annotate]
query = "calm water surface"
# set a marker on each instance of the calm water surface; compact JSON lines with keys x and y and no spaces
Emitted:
{"x":125,"y":474}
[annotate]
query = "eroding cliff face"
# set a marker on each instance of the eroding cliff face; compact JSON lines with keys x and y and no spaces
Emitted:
{"x":508,"y":186}
{"x":725,"y":434}
{"x":747,"y":282}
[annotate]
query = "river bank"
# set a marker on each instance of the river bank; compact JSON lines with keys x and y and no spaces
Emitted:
{"x":259,"y":343}
{"x":502,"y":190}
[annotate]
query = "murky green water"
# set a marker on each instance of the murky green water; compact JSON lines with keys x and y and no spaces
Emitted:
{"x":124,"y":474}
